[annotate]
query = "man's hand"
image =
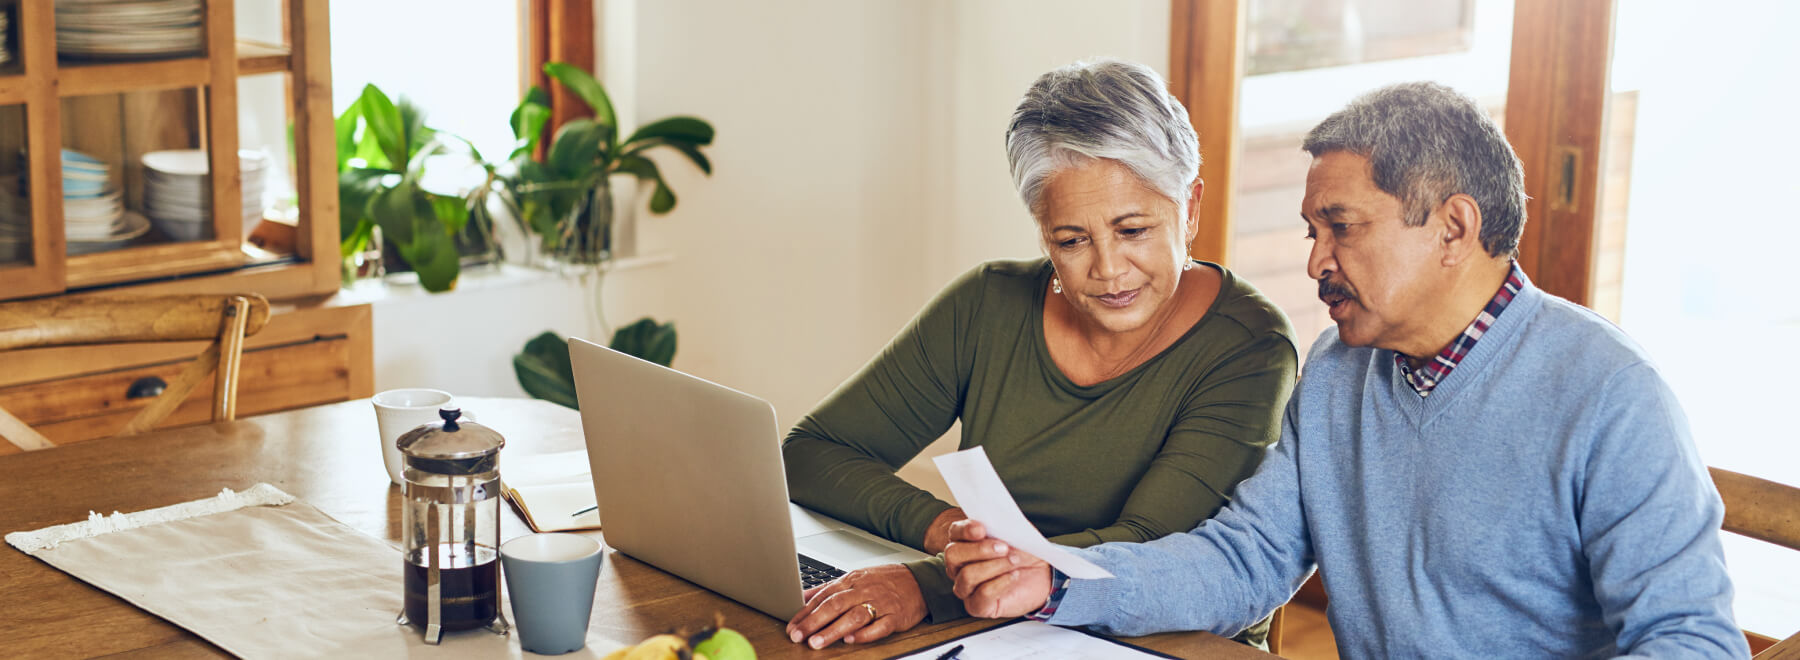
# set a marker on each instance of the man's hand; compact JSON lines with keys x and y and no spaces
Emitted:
{"x":993,"y":580}
{"x":836,"y":610}
{"x":938,"y":534}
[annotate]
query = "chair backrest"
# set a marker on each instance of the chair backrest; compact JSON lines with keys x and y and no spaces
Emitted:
{"x":226,"y":319}
{"x":1766,"y":511}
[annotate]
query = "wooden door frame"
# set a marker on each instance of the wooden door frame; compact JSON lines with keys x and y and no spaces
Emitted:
{"x":1556,"y":98}
{"x":1206,"y":72}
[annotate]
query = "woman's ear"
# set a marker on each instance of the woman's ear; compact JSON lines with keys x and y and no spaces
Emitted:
{"x":1193,"y":208}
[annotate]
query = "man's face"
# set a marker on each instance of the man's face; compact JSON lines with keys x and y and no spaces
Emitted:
{"x":1379,"y":277}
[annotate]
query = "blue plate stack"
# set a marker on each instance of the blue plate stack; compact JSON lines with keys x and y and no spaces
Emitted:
{"x":94,"y":215}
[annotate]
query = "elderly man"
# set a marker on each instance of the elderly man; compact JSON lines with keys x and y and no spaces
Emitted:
{"x":1478,"y":468}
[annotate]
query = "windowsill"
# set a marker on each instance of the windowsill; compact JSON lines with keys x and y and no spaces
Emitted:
{"x":401,"y":286}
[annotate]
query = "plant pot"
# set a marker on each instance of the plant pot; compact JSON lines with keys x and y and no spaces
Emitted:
{"x":588,"y":236}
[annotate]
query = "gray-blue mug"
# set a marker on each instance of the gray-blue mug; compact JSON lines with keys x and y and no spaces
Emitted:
{"x":550,"y":581}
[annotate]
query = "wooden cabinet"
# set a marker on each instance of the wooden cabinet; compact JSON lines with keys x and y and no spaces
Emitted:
{"x":116,"y":111}
{"x":313,"y":351}
{"x":305,"y":356}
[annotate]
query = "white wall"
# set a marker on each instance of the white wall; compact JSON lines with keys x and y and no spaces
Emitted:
{"x":860,"y":165}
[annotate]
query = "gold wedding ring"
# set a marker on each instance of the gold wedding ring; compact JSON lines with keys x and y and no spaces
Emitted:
{"x":871,"y":608}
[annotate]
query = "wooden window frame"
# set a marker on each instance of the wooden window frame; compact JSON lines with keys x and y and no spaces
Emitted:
{"x":1555,"y":119}
{"x":559,"y":31}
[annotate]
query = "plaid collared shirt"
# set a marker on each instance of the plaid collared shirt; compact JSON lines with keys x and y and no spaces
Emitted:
{"x":1059,"y":585}
{"x":1427,"y":377}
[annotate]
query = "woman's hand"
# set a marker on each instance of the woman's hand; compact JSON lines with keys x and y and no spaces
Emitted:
{"x":993,"y":580}
{"x":864,"y":605}
{"x":938,"y":534}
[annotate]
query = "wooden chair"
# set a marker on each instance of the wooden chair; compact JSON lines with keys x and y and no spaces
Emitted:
{"x":1768,"y":512}
{"x":224,"y":318}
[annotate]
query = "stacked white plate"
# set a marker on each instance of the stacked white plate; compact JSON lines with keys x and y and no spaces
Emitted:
{"x":15,"y":222}
{"x":5,"y":50}
{"x":178,"y":193}
{"x":129,"y":29}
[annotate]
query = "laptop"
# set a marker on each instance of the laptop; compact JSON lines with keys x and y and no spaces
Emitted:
{"x":689,"y":479}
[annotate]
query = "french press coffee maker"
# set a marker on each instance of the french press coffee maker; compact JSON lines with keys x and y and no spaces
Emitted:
{"x":451,"y":518}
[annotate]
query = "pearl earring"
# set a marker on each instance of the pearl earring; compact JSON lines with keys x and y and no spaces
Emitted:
{"x":1055,"y":284}
{"x":1187,"y":261}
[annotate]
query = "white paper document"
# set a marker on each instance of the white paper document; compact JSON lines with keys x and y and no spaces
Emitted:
{"x":983,"y":497}
{"x":1030,"y":639}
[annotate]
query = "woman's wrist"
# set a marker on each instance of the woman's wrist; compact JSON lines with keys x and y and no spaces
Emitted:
{"x":937,"y":535}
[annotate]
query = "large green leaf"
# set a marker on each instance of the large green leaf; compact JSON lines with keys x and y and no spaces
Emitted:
{"x":536,"y":96}
{"x":676,"y":129}
{"x":585,"y":86}
{"x":575,"y":152}
{"x":689,"y":149}
{"x":528,"y":120}
{"x":662,"y":200}
{"x":432,"y":252}
{"x":648,"y":340}
{"x":384,"y":121}
{"x":545,"y":372}
{"x":451,"y":210}
{"x":357,"y":239}
{"x":413,"y":133}
{"x":643,"y":168}
{"x":355,"y":189}
{"x":392,"y":209}
{"x":345,"y":128}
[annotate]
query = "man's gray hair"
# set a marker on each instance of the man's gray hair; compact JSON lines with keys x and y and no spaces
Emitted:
{"x":1426,"y":142}
{"x":1103,"y":108}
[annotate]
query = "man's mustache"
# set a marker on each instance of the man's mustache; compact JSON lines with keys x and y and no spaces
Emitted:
{"x":1330,"y":288}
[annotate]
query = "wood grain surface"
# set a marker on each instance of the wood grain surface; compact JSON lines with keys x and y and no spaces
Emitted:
{"x":328,"y":456}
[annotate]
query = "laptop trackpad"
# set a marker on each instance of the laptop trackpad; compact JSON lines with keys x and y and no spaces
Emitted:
{"x":841,"y":548}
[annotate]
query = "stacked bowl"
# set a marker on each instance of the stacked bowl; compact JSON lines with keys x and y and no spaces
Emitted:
{"x":178,"y":193}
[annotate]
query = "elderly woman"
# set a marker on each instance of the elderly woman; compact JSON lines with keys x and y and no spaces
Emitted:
{"x":1120,"y":388}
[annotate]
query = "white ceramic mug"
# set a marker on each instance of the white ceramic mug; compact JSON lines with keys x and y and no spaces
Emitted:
{"x":399,"y":411}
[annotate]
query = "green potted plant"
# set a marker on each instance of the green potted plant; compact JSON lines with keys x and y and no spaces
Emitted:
{"x":383,"y":148}
{"x":565,"y":200}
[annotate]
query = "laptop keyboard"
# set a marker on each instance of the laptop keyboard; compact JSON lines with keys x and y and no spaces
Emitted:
{"x":814,"y":572}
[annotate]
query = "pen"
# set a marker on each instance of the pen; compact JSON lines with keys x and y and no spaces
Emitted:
{"x":577,"y":513}
{"x":952,"y":653}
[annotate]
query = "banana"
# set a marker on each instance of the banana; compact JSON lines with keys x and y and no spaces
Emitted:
{"x":661,"y":647}
{"x":711,"y":643}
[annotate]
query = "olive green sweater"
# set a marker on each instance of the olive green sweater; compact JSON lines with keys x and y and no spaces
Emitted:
{"x":1149,"y":453}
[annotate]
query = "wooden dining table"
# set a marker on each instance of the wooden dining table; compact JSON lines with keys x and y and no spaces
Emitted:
{"x":329,"y":457}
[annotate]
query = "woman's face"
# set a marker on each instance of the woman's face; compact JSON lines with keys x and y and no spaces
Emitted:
{"x":1117,"y":244}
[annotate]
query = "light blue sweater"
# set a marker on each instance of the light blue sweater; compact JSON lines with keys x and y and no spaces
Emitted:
{"x":1545,"y":501}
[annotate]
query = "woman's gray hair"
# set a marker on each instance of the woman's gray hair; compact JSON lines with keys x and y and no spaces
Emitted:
{"x":1426,"y":142}
{"x":1104,"y":108}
